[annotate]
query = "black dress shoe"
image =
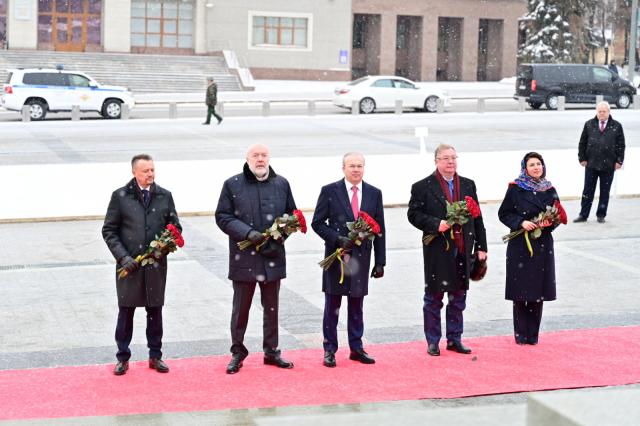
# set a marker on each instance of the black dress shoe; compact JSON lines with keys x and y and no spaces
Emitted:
{"x":433,"y":349}
{"x":205,"y":123}
{"x":121,"y":368}
{"x":235,"y":364}
{"x":158,"y":365}
{"x":278,"y":361}
{"x":601,"y":220}
{"x":579,"y":219}
{"x":361,"y":356}
{"x":458,"y":347}
{"x":329,"y":359}
{"x":219,"y":121}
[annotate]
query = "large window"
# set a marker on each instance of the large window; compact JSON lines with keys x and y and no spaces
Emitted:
{"x":286,"y":31}
{"x":161,"y":25}
{"x":3,"y":23}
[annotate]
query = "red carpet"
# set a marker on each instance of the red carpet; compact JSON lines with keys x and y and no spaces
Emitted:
{"x":404,"y":371}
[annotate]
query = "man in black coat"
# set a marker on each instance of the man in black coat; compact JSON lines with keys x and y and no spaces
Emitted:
{"x":601,"y":153}
{"x":138,"y":212}
{"x":447,"y":261}
{"x":339,"y":203}
{"x":248,"y":205}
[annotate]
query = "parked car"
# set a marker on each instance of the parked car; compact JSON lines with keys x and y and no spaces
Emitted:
{"x":544,"y":83}
{"x":375,"y":93}
{"x":56,"y":90}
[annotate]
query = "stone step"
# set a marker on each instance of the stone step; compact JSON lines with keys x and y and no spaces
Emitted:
{"x":600,"y":407}
{"x":140,"y":73}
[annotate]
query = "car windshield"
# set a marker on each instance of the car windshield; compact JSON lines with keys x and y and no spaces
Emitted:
{"x":358,"y":81}
{"x":9,"y":78}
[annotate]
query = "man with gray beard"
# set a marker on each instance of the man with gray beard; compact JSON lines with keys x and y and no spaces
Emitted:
{"x":248,"y":205}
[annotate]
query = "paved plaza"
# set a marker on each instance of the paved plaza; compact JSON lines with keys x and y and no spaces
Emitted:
{"x":60,"y":309}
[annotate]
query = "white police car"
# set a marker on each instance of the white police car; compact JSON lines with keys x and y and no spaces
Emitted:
{"x":56,"y":90}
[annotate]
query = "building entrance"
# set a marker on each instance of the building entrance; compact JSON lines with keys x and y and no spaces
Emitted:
{"x":69,"y":25}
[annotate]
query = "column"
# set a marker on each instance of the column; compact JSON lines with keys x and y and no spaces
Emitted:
{"x":116,"y":26}
{"x":22,"y":24}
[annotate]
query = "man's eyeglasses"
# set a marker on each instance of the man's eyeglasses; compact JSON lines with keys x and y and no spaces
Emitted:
{"x":447,"y":159}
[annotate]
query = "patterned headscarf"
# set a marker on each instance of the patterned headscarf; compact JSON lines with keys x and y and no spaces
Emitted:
{"x":528,"y":183}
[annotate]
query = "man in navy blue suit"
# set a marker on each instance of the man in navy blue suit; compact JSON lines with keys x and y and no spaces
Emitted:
{"x":339,"y":203}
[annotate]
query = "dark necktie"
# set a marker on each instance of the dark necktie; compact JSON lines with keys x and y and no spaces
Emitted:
{"x":145,"y":197}
{"x":602,"y":127}
{"x":450,"y":183}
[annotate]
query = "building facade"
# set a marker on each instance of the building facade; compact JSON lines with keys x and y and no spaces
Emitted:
{"x":424,"y":40}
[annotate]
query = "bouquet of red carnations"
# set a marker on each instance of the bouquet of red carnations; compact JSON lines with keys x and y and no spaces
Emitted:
{"x":553,"y":215}
{"x":168,"y":242}
{"x":283,"y":226}
{"x":363,"y":228}
{"x":458,"y":213}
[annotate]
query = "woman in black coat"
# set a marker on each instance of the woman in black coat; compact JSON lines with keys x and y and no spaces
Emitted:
{"x":531,"y":277}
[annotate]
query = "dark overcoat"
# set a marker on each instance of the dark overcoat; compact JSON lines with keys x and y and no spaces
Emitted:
{"x":128,"y":229}
{"x":601,"y":150}
{"x":528,"y":278}
{"x":247,"y":204}
{"x":333,"y":211}
{"x":443,"y":271}
{"x":212,"y":95}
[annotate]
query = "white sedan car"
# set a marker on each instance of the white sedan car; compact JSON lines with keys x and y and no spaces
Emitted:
{"x":374,"y":93}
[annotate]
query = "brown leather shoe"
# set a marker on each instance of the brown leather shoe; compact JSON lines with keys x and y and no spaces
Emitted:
{"x":158,"y":365}
{"x":121,"y":368}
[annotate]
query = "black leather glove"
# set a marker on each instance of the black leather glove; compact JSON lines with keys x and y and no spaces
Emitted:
{"x":377,"y":271}
{"x":345,"y":243}
{"x":270,"y":249}
{"x":129,"y":264}
{"x":255,"y":237}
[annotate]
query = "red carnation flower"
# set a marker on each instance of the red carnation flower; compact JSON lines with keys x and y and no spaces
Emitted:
{"x":301,"y":220}
{"x":561,"y":212}
{"x":472,"y":207}
{"x":375,"y":228}
{"x":175,"y":233}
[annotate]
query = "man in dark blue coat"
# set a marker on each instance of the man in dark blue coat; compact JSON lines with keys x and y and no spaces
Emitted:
{"x":248,"y":205}
{"x":137,"y":213}
{"x":601,"y":153}
{"x":447,"y":261}
{"x":339,"y":203}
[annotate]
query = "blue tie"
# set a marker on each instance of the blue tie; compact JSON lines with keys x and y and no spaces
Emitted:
{"x":451,"y":188}
{"x":145,"y":197}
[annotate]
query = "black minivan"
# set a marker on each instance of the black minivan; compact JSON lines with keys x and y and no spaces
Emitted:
{"x":544,"y":83}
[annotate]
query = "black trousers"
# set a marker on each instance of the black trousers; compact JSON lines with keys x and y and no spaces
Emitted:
{"x":526,"y":321}
{"x":242,"y":297}
{"x":124,"y":332}
{"x":211,"y":110}
{"x":590,"y":181}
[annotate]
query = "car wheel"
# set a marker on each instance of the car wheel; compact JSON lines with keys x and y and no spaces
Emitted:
{"x":111,"y":109}
{"x":552,"y":101}
{"x":431,"y":104}
{"x":535,"y":105}
{"x":623,"y":101}
{"x":367,"y":106}
{"x":37,"y":110}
